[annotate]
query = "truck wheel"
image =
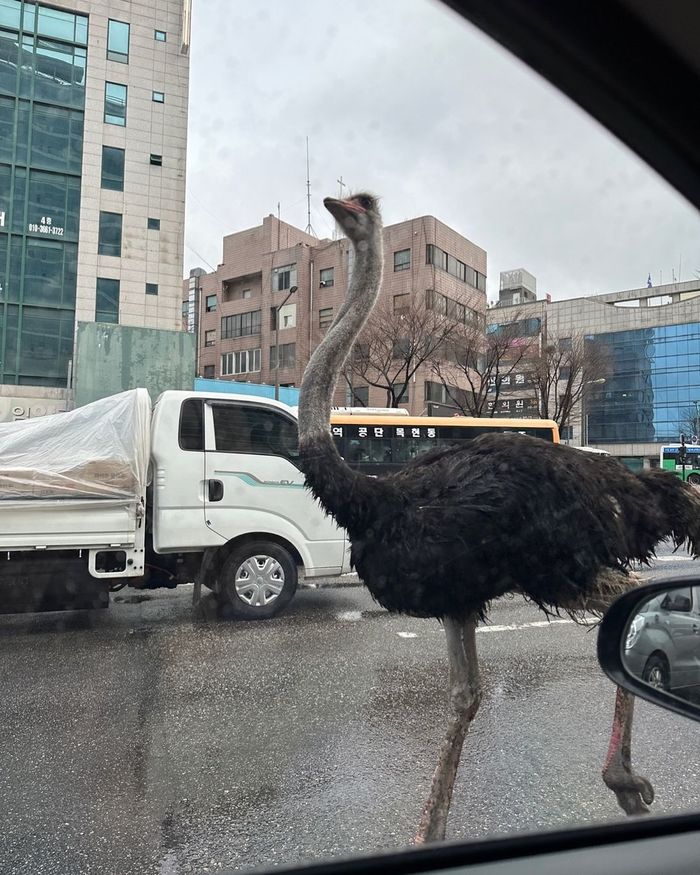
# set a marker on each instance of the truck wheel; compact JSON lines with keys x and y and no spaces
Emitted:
{"x":257,"y":580}
{"x":694,"y":479}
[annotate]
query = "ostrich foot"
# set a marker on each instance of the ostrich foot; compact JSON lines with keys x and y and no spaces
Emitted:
{"x":634,"y":793}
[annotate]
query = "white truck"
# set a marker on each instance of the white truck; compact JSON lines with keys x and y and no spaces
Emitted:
{"x":203,"y":488}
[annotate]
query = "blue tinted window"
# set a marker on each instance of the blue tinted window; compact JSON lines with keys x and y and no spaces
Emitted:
{"x":112,"y":168}
{"x":110,"y":236}
{"x":115,"y":103}
{"x":56,"y":22}
{"x":160,"y":36}
{"x":655,"y":378}
{"x":107,"y":300}
{"x":9,"y":13}
{"x":118,"y":41}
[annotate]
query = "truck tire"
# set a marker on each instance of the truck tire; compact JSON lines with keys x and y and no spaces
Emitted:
{"x":257,"y":580}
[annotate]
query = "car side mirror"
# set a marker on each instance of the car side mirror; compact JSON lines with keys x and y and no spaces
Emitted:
{"x":651,"y":651}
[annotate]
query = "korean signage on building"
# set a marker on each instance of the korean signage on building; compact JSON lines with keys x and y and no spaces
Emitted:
{"x":514,"y":407}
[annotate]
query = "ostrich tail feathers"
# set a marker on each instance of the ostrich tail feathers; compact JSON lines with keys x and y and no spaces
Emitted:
{"x":680,"y":504}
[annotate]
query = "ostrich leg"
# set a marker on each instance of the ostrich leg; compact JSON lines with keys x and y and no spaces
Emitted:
{"x":464,"y":699}
{"x":633,"y":792}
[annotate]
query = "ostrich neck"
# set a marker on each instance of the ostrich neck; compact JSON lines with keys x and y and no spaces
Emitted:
{"x":320,"y":377}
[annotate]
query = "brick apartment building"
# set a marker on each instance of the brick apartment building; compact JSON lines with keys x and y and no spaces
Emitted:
{"x":233,"y":309}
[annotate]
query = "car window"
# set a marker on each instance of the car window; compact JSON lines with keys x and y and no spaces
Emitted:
{"x":679,"y":601}
{"x":256,"y":430}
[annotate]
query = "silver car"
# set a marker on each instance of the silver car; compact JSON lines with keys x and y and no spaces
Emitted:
{"x":663,"y":641}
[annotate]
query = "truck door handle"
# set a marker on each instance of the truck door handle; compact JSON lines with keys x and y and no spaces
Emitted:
{"x":216,"y":490}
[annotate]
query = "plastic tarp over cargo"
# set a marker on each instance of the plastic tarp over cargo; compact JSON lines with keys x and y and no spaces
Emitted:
{"x":97,"y":451}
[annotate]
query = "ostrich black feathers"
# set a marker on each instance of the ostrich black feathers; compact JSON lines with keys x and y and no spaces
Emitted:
{"x":462,"y":526}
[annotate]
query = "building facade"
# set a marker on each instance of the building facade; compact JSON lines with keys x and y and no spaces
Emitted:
{"x":93,"y":128}
{"x":234,"y":309}
{"x":651,"y":339}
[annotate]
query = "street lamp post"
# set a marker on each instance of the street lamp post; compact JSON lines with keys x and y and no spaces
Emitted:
{"x":277,"y":342}
{"x":584,"y":412}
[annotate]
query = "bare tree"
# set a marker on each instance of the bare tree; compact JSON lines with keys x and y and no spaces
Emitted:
{"x":482,"y":364}
{"x":562,"y":371}
{"x":399,"y":338}
{"x":689,"y":423}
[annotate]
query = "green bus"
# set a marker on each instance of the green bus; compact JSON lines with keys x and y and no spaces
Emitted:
{"x":671,"y":460}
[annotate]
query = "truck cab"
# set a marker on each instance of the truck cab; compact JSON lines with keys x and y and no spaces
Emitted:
{"x":225,"y":480}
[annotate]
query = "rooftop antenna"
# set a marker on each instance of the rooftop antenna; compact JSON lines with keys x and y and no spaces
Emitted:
{"x":341,"y":186}
{"x":309,"y":227}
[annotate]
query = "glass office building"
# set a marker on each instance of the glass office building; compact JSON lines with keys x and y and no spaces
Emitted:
{"x":43,"y":59}
{"x":654,"y":382}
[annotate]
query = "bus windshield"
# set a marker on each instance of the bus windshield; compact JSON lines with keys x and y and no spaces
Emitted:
{"x":381,"y":444}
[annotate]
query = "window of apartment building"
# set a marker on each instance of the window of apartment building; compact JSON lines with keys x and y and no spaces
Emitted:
{"x":401,"y":303}
{"x":112,"y":168}
{"x":358,"y":396}
{"x":153,"y":224}
{"x":160,"y":36}
{"x":158,"y":96}
{"x":156,"y":160}
{"x":151,"y":288}
{"x":402,"y":396}
{"x":325,"y":317}
{"x":445,"y":306}
{"x":115,"y":104}
{"x":107,"y":300}
{"x":241,"y":324}
{"x":109,"y":241}
{"x":326,"y":277}
{"x":288,"y":352}
{"x":208,"y":372}
{"x":246,"y":361}
{"x":402,"y":259}
{"x":210,"y":303}
{"x":287,"y":316}
{"x":118,"y":41}
{"x":284,"y":277}
{"x":439,"y":258}
{"x":566,"y":433}
{"x":210,"y":337}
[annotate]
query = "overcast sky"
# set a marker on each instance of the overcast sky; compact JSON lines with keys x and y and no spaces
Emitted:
{"x":403,"y":98}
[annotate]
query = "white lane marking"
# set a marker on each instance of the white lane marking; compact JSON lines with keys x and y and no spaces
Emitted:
{"x":349,"y":616}
{"x":535,"y":624}
{"x":673,"y":559}
{"x":516,"y":627}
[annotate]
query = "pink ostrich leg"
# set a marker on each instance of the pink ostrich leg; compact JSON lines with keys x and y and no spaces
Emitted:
{"x":633,"y":792}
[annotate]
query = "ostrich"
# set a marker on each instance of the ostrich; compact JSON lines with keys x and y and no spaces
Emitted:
{"x":427,"y":541}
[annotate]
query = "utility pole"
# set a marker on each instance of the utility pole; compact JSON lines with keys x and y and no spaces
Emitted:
{"x":277,"y":342}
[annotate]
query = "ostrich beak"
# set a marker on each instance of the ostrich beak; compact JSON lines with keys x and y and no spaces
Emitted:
{"x":340,"y":208}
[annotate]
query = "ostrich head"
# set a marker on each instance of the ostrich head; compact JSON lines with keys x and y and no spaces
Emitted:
{"x":358,"y":216}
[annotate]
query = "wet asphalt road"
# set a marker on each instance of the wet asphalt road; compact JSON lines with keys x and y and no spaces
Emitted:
{"x":143,"y":740}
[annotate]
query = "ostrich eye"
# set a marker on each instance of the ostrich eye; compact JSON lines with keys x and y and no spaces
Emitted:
{"x":364,"y":202}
